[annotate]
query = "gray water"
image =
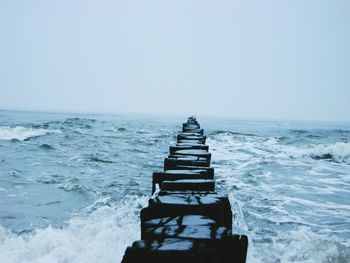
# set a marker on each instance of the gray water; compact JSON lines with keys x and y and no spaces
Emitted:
{"x":72,"y":185}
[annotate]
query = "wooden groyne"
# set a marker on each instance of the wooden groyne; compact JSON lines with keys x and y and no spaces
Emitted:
{"x":186,"y":220}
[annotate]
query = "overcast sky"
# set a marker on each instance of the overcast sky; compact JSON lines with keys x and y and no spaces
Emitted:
{"x":247,"y":59}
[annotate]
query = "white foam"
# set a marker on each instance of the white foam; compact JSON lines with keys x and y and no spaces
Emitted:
{"x":302,"y":245}
{"x":21,"y":133}
{"x":339,"y":151}
{"x":100,"y":237}
{"x":268,"y":200}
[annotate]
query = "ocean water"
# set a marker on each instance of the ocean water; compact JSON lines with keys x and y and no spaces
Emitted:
{"x":72,"y":185}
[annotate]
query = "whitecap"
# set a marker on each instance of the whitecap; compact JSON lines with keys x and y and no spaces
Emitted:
{"x":102,"y":236}
{"x":21,"y":133}
{"x":282,"y":203}
{"x":302,"y":245}
{"x":339,"y":151}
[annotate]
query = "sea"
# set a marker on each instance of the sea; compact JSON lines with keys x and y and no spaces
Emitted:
{"x":72,"y":185}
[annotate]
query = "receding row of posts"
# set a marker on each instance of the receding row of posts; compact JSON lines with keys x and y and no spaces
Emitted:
{"x":186,"y":220}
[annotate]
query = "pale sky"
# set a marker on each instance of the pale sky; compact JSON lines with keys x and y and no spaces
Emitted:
{"x":246,"y":59}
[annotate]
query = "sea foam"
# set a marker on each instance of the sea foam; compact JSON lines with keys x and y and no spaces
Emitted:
{"x":279,"y":227}
{"x":339,"y":151}
{"x":21,"y":133}
{"x":303,"y":246}
{"x":102,"y":236}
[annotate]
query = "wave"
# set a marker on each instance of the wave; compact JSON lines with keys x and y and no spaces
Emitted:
{"x":83,"y":123}
{"x":21,"y":133}
{"x":102,"y":236}
{"x":284,"y":232}
{"x":73,"y":187}
{"x":79,"y":122}
{"x":99,"y":160}
{"x":339,"y":151}
{"x":55,"y":179}
{"x":218,"y":132}
{"x":298,"y":131}
{"x":302,"y":245}
{"x":47,"y":146}
{"x":75,"y":120}
{"x":318,"y":134}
